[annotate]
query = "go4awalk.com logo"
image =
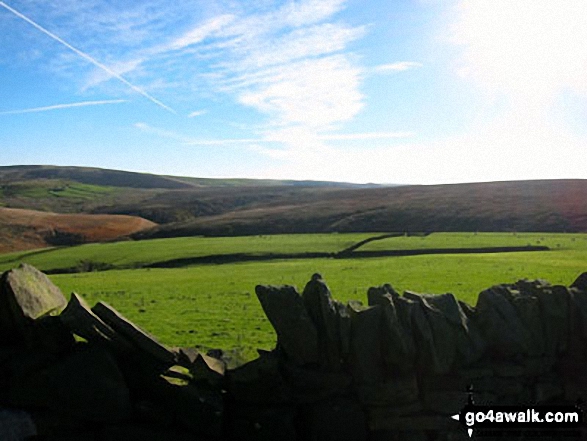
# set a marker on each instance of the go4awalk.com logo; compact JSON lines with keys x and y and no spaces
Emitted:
{"x":558,"y":421}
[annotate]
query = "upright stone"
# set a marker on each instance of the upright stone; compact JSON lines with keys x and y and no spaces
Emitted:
{"x":436,"y":335}
{"x":322,"y":310}
{"x":296,"y":333}
{"x":366,"y":358}
{"x":499,"y":322}
{"x":395,"y":338}
{"x":554,"y":307}
{"x":26,"y":294}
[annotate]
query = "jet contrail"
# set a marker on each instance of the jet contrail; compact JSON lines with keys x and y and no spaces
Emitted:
{"x":61,"y":106}
{"x":88,"y":58}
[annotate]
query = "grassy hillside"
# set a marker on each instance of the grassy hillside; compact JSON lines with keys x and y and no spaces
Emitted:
{"x":233,"y":207}
{"x":215,"y":305}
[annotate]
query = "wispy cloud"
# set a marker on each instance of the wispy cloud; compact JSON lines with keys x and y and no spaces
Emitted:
{"x":400,"y":66}
{"x":61,"y":106}
{"x":197,"y":113}
{"x":86,"y":57}
{"x":197,"y":34}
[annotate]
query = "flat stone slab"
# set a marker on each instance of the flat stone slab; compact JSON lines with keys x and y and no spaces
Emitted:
{"x":80,"y":319}
{"x":143,"y":340}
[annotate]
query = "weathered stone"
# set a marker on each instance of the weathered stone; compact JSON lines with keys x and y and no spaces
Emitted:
{"x":144,"y":432}
{"x":86,"y":384}
{"x":554,"y":310}
{"x":323,"y":312}
{"x":199,"y":410}
{"x":310,"y":385}
{"x":263,"y":423}
{"x":201,"y":366}
{"x":396,"y":340}
{"x":535,"y":366}
{"x":509,"y":370}
{"x":26,"y":294}
{"x":580,"y":282}
{"x":445,"y":402}
{"x":498,"y":386}
{"x":259,"y":381}
{"x":579,"y":304}
{"x":296,"y":332}
{"x":52,"y":335}
{"x":374,"y":294}
{"x":528,"y":308}
{"x":498,"y":320}
{"x":438,"y":338}
{"x":366,"y":361}
{"x":132,"y":333}
{"x":344,"y":329}
{"x":16,"y":425}
{"x":412,"y":423}
{"x":340,"y":419}
{"x":547,"y":391}
{"x":393,"y":392}
{"x":82,"y":321}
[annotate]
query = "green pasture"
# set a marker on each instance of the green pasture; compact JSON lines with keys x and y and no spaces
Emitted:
{"x":554,"y":241}
{"x":140,"y":253}
{"x":214,"y":305}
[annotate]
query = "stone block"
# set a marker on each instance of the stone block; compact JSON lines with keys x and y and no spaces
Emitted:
{"x":296,"y":332}
{"x":26,"y":294}
{"x":366,"y":360}
{"x":323,"y":312}
{"x":340,"y":419}
{"x":142,"y":340}
{"x":87,"y":384}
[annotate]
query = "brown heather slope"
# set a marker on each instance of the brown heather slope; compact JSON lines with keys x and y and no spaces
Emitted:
{"x":546,"y":205}
{"x":28,"y":229}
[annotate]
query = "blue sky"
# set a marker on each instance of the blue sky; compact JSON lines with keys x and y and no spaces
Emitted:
{"x":403,"y":91}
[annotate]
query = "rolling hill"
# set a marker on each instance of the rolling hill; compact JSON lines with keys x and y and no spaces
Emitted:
{"x":193,"y":206}
{"x":29,"y":229}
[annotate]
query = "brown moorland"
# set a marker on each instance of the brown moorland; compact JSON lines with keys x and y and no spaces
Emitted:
{"x":22,"y":229}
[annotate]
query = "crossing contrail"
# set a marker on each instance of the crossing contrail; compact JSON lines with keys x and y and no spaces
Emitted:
{"x":88,"y":58}
{"x":61,"y":106}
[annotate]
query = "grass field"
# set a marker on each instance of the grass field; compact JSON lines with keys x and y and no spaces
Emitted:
{"x":215,"y":306}
{"x":134,"y":254}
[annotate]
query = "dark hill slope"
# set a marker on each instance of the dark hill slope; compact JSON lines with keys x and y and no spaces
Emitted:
{"x":87,"y":175}
{"x":549,"y":205}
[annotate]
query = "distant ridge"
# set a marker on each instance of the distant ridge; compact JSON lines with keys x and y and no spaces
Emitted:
{"x":88,"y":175}
{"x":118,"y":178}
{"x":183,"y":206}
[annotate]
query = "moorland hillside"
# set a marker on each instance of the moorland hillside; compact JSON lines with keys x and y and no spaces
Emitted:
{"x":218,"y":207}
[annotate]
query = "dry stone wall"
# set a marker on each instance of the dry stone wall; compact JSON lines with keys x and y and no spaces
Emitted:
{"x":396,"y":368}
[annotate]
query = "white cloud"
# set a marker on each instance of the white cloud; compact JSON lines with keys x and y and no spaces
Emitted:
{"x":197,"y":113}
{"x":315,"y":93}
{"x":534,"y":48}
{"x":199,"y":33}
{"x":400,"y":66}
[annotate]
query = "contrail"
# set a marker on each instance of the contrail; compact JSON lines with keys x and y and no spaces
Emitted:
{"x":88,"y":58}
{"x":62,"y":106}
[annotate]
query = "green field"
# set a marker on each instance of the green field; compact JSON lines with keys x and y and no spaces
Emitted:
{"x":214,"y":305}
{"x":140,"y":253}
